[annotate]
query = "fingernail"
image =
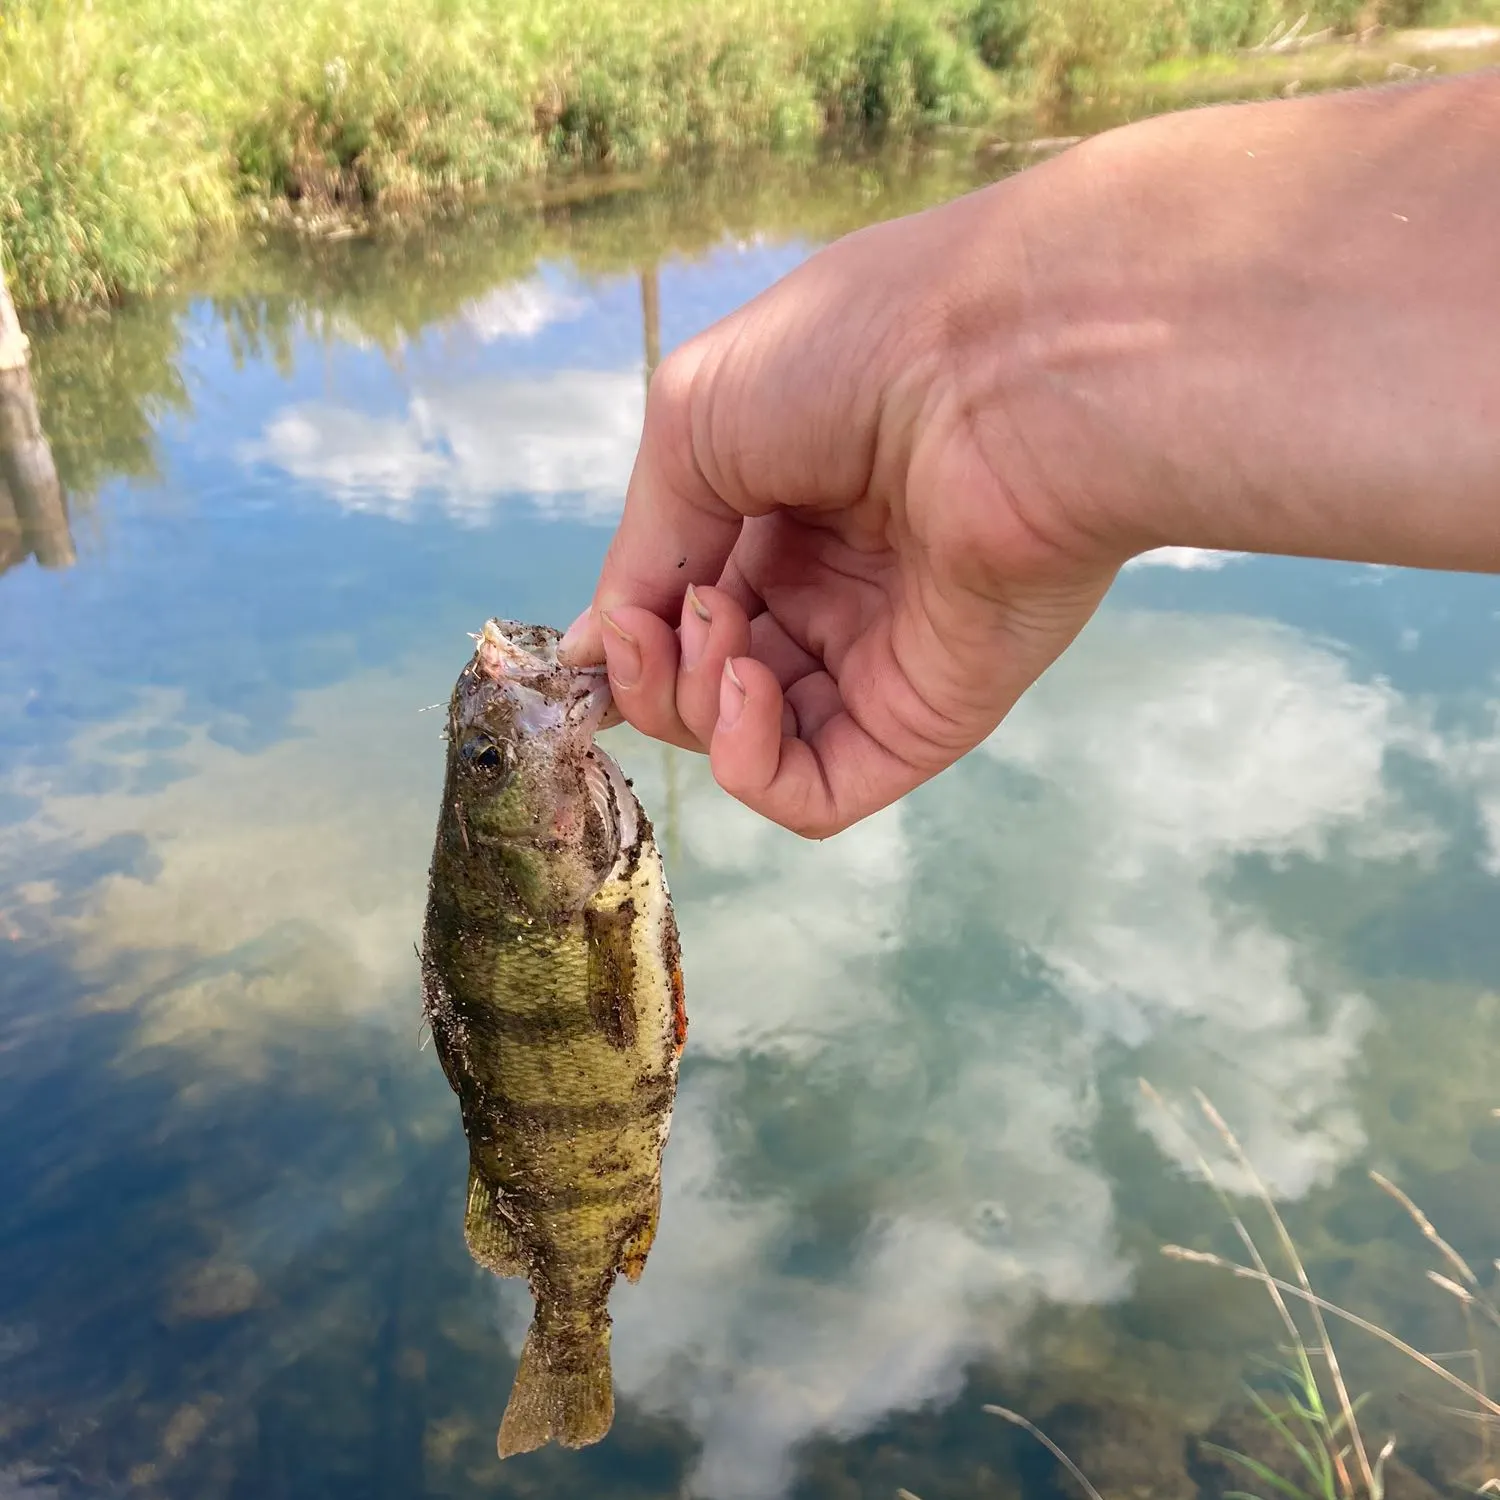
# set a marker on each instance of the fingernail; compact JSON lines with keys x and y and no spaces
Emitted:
{"x":573,"y":636}
{"x":694,"y":629}
{"x":731,"y":697}
{"x":624,"y":658}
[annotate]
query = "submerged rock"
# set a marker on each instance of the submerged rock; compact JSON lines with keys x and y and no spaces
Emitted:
{"x":213,"y":1290}
{"x":1130,"y":1450}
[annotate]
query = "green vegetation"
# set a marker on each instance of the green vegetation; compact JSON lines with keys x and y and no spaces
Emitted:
{"x":1314,"y":1447}
{"x":133,"y":130}
{"x":1304,"y":1441}
{"x":1314,"y":1442}
{"x":106,"y":380}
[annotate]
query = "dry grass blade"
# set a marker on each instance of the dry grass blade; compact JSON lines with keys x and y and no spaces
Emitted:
{"x":1464,"y":1414}
{"x":1470,"y":1294}
{"x":1447,"y":1283}
{"x":1346,"y":1406}
{"x":1205,"y":1258}
{"x":1251,"y":1248}
{"x":1017,"y":1420}
{"x":1381,"y":1459}
{"x":1425,"y":1224}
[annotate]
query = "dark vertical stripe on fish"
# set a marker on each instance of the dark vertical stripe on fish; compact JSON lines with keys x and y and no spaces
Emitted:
{"x":612,"y":973}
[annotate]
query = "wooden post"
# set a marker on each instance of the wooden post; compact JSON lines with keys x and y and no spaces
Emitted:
{"x":33,"y":508}
{"x":14,"y":344}
{"x":671,"y":821}
{"x":651,"y":321}
{"x":14,"y":547}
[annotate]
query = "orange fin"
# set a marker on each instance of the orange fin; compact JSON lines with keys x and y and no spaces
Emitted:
{"x":638,"y":1246}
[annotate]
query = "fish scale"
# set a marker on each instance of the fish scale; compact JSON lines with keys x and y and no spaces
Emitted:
{"x":552,"y":984}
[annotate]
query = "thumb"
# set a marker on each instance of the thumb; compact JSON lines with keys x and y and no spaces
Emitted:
{"x":676,"y":528}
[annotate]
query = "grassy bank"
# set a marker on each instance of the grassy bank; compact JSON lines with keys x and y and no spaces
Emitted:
{"x":106,"y":380}
{"x":132,"y":129}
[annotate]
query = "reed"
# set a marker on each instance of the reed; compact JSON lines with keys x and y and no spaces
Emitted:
{"x":1323,"y":1436}
{"x":1315,"y":1427}
{"x":131,"y":131}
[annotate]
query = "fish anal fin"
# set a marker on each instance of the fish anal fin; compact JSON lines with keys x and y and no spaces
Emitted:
{"x":489,"y":1237}
{"x":564,"y":1391}
{"x":638,"y":1243}
{"x":612,"y":971}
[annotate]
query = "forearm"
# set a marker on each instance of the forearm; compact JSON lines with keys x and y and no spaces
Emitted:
{"x":1271,"y":327}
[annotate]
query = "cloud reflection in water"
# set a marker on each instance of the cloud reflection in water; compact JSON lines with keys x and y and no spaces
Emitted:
{"x":1170,"y":751}
{"x":520,"y":310}
{"x":563,"y":442}
{"x":882,"y":1158}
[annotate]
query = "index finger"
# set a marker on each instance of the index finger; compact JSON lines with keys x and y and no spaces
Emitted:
{"x":676,"y":528}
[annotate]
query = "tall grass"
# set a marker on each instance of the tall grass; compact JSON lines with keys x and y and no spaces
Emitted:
{"x":1321,"y":1432}
{"x":132,"y":129}
{"x":1312,"y":1444}
{"x":106,"y":379}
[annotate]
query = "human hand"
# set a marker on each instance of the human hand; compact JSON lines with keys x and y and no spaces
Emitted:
{"x":832,"y":573}
{"x":902,"y":478}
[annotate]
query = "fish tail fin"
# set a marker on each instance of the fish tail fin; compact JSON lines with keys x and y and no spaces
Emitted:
{"x":564,"y":1391}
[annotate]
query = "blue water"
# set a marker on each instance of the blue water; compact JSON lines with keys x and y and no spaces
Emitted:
{"x":1243,"y":839}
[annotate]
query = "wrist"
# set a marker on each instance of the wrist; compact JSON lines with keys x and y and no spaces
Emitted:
{"x":1263,"y":327}
{"x":1053,"y":311}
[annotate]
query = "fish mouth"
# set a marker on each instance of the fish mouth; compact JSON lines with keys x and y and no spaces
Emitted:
{"x":499,"y":655}
{"x":509,"y":653}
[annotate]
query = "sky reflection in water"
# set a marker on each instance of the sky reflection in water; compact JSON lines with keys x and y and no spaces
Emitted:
{"x":1206,"y":849}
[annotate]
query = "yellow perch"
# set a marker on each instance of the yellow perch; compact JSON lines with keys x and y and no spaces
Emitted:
{"x":553,"y":985}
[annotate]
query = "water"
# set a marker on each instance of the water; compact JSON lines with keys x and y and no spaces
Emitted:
{"x":1244,"y":838}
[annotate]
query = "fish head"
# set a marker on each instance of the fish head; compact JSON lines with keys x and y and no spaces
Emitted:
{"x":525,"y":774}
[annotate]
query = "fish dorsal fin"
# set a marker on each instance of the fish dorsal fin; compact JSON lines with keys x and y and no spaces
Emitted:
{"x":490,"y":1239}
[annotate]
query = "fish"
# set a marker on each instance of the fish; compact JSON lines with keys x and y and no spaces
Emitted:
{"x":552,"y":984}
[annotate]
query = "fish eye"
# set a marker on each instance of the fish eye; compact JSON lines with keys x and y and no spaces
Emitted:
{"x":481,"y":751}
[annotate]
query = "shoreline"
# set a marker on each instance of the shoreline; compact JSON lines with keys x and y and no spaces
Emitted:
{"x":100,"y":202}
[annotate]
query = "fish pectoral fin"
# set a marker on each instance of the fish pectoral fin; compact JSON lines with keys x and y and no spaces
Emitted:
{"x":638,"y":1245}
{"x":612,"y":972}
{"x":488,"y":1235}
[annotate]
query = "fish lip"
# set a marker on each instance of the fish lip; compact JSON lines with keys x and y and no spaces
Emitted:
{"x":578,"y":697}
{"x":497,"y":656}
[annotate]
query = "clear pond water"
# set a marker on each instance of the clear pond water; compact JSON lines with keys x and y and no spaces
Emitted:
{"x":1244,"y":839}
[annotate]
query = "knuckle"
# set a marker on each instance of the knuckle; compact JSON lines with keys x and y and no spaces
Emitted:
{"x":669,"y":396}
{"x":818,"y":828}
{"x":812,"y":832}
{"x":809,"y":822}
{"x":680,"y":451}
